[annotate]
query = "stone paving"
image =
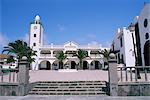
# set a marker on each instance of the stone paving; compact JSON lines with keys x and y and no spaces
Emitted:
{"x":80,"y":75}
{"x":73,"y":98}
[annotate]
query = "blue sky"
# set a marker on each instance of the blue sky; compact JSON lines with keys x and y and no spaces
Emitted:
{"x":81,"y":21}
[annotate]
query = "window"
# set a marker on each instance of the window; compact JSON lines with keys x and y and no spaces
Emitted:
{"x":118,"y":58}
{"x":146,"y":36}
{"x":122,"y":59}
{"x":34,"y":35}
{"x":121,"y":41}
{"x":34,"y":44}
{"x":35,"y":27}
{"x":145,"y":23}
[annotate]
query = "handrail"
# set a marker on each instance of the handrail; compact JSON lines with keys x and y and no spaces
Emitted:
{"x":134,"y":73}
{"x":9,"y":75}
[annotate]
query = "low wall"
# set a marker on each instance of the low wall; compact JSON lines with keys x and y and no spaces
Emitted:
{"x":134,"y":89}
{"x":9,"y":89}
{"x":14,"y":89}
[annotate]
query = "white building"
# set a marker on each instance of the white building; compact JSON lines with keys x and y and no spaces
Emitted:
{"x":123,"y":46}
{"x":142,"y":36}
{"x":133,"y":45}
{"x":46,"y":59}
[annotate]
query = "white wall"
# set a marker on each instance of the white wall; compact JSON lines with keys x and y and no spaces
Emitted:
{"x":38,"y":40}
{"x":145,"y":14}
{"x":129,"y":55}
{"x":127,"y":48}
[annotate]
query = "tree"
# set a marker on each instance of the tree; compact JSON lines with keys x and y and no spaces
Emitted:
{"x":10,"y":59}
{"x":61,"y":56}
{"x":81,"y":54}
{"x":19,"y":49}
{"x":105,"y":53}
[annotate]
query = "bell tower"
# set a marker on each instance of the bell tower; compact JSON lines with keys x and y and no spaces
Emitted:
{"x":36,"y":33}
{"x":36,"y":39}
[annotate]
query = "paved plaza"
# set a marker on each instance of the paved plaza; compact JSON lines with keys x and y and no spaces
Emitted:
{"x":80,"y":75}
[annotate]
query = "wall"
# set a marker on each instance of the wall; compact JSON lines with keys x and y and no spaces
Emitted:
{"x":127,"y":46}
{"x":129,"y":56}
{"x":134,"y":89}
{"x":145,"y":14}
{"x":9,"y":90}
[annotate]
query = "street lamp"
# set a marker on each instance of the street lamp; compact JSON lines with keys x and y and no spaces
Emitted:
{"x":131,"y":27}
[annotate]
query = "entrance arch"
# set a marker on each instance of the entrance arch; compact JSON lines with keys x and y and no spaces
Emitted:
{"x":85,"y":65}
{"x":45,"y":65}
{"x":96,"y":64}
{"x":147,"y":53}
{"x":73,"y":65}
{"x":55,"y":65}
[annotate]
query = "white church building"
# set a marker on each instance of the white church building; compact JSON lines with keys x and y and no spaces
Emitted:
{"x":46,"y":60}
{"x":142,"y":36}
{"x":133,"y":43}
{"x":123,"y":45}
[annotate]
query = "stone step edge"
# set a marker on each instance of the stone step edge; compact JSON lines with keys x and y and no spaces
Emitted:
{"x":72,"y":92}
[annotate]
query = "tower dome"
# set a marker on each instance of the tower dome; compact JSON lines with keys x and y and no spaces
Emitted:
{"x":37,"y":18}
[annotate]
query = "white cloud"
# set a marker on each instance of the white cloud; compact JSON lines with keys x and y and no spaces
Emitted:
{"x":60,"y":27}
{"x":3,"y":41}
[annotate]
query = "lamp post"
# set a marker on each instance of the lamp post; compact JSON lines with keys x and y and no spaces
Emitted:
{"x":132,"y":29}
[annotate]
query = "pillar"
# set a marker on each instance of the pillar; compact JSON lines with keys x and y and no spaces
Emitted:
{"x":113,"y":76}
{"x":89,"y":51}
{"x":23,"y":76}
{"x":51,"y":53}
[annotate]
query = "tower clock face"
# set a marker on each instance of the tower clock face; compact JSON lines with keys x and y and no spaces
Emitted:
{"x":35,"y":27}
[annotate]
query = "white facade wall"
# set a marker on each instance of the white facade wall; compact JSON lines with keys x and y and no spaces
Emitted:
{"x":127,"y":49}
{"x":129,"y":56}
{"x":36,"y":29}
{"x":145,"y":14}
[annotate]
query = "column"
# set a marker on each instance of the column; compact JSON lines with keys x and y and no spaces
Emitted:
{"x":23,"y":77}
{"x":113,"y":76}
{"x":51,"y":53}
{"x":89,"y":53}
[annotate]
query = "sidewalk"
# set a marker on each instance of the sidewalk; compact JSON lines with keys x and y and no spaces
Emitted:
{"x":74,"y":98}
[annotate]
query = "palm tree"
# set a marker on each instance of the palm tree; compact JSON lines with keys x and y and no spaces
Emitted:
{"x":81,"y":54}
{"x":20,"y":48}
{"x":105,"y":53}
{"x":61,"y":56}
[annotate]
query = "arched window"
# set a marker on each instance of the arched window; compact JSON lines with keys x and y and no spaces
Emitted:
{"x":147,"y":36}
{"x":145,"y":23}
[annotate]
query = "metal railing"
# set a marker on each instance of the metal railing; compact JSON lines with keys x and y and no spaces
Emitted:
{"x":134,"y":74}
{"x":8,"y":75}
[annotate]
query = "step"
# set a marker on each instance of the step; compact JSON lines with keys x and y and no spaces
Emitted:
{"x":69,"y":88}
{"x":78,"y":86}
{"x":82,"y":82}
{"x":73,"y":89}
{"x":67,"y":93}
{"x":71,"y":81}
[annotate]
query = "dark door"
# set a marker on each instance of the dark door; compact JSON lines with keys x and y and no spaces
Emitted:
{"x":73,"y":65}
{"x":147,"y":53}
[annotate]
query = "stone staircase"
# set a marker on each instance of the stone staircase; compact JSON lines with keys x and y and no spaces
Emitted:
{"x":69,"y":88}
